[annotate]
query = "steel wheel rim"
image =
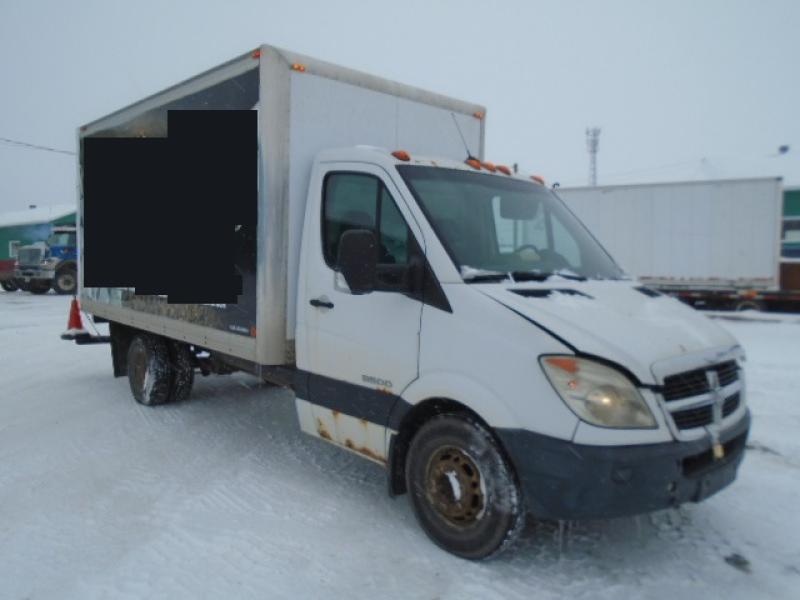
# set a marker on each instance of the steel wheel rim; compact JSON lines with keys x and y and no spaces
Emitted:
{"x":454,"y":486}
{"x":67,"y":282}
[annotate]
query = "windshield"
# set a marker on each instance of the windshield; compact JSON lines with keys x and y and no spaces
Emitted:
{"x":494,"y":226}
{"x":61,"y":239}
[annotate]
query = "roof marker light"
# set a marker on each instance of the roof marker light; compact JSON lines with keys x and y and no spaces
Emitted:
{"x":478,"y":115}
{"x":474,"y":163}
{"x":299,"y":68}
{"x":401,"y":155}
{"x":538,"y":179}
{"x":504,"y":169}
{"x":256,"y":53}
{"x":489,"y":166}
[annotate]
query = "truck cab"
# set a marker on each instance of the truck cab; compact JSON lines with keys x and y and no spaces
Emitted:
{"x":49,"y":264}
{"x":431,"y":287}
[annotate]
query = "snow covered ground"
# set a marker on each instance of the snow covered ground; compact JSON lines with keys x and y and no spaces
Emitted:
{"x":222,"y":497}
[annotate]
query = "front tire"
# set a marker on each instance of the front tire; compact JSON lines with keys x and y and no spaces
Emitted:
{"x":66,"y":281}
{"x":9,"y":285}
{"x":149,"y":371}
{"x":462,"y":488}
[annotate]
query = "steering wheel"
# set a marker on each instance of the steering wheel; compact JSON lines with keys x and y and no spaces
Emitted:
{"x":524,"y":252}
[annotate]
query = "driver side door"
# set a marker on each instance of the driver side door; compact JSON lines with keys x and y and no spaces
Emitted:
{"x":362,"y":349}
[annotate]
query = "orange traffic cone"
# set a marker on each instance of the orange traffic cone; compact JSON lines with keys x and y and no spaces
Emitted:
{"x":74,"y":324}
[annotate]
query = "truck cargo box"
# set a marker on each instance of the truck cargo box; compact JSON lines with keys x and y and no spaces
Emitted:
{"x":304,"y":106}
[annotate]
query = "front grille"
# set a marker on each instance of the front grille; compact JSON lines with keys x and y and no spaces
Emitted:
{"x":700,"y":416}
{"x":693,"y":417}
{"x":695,"y":383}
{"x":731,"y":404}
{"x":29,"y":256}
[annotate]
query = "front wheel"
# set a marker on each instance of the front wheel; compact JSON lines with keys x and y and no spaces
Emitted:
{"x":9,"y":285}
{"x":462,"y":489}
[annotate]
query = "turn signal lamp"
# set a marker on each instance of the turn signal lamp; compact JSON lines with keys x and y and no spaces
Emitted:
{"x":504,"y":169}
{"x":565,"y":363}
{"x":401,"y":155}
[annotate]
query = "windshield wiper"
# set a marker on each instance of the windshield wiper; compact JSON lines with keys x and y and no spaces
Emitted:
{"x":473,"y":275}
{"x":545,"y":275}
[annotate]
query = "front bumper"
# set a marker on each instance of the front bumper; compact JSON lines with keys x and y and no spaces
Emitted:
{"x":29,"y":273}
{"x":563,"y":480}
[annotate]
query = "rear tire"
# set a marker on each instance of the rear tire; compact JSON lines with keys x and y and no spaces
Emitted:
{"x":9,"y":285}
{"x":66,"y":281}
{"x":39,"y":287}
{"x":462,"y":489}
{"x":182,"y":362}
{"x":149,"y":370}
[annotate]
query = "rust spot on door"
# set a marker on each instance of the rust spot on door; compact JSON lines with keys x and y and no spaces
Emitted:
{"x":322,"y":431}
{"x":365,"y":451}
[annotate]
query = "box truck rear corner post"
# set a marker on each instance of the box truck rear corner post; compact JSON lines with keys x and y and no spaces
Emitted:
{"x":434,"y":313}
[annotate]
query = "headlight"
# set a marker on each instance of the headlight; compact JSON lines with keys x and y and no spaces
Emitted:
{"x":596,"y":393}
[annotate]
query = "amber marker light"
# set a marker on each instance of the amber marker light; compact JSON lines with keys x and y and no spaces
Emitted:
{"x":474,"y":163}
{"x":538,"y":179}
{"x":401,"y":155}
{"x":299,"y":68}
{"x":504,"y":169}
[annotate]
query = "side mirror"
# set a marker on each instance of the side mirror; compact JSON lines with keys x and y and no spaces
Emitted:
{"x":358,"y":260}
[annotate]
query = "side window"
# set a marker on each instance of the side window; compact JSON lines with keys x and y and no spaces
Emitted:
{"x":358,"y":201}
{"x":350,"y":202}
{"x":12,"y":248}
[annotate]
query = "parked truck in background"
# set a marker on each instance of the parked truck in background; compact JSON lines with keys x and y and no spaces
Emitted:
{"x":713,"y":244}
{"x":434,"y":313}
{"x":52,"y":263}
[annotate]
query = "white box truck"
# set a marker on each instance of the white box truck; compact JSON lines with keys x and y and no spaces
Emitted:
{"x":714,"y":244}
{"x":442,"y":317}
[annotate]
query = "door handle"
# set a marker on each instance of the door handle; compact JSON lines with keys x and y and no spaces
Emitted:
{"x":320,"y":303}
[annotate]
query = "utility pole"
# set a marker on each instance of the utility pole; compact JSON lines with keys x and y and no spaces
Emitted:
{"x":592,"y":142}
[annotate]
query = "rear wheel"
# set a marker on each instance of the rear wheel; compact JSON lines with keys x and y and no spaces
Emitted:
{"x":9,"y":285}
{"x":462,"y":489}
{"x":39,"y":287}
{"x":149,"y":371}
{"x":182,"y":363}
{"x":66,"y":281}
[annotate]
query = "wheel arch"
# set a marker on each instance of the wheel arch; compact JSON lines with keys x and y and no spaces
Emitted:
{"x":424,"y":400}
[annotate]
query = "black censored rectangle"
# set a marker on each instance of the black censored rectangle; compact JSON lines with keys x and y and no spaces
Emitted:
{"x":175,"y":216}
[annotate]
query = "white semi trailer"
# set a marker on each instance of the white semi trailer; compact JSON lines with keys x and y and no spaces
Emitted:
{"x":715,"y":244}
{"x":434,"y":313}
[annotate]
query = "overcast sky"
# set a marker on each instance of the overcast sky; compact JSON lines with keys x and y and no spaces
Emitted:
{"x":682,"y":89}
